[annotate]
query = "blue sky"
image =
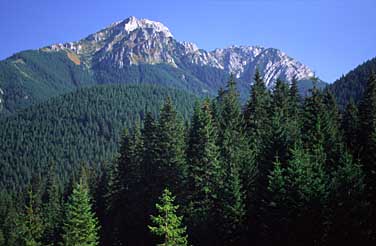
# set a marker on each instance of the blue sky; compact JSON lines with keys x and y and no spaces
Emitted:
{"x":330,"y":36}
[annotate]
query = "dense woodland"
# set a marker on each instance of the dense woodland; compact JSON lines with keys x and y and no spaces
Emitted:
{"x":82,"y":126}
{"x":279,"y":170}
{"x":352,"y":85}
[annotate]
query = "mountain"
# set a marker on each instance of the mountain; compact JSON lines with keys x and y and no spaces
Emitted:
{"x":137,"y":51}
{"x":352,"y":85}
{"x":81,"y":126}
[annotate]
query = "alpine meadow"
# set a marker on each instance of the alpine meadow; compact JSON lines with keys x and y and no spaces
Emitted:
{"x":129,"y":136}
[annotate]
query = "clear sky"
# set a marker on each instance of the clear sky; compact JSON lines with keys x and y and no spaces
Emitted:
{"x":330,"y":36}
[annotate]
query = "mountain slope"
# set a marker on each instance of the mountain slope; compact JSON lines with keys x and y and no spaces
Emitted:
{"x":353,"y":84}
{"x":137,"y":51}
{"x":83,"y":126}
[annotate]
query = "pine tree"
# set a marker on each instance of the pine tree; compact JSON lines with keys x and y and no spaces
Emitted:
{"x":350,"y":128}
{"x":237,"y":165}
{"x":295,"y":109}
{"x":149,"y":166}
{"x":367,"y":135}
{"x":149,"y":169}
{"x":367,"y":153}
{"x":333,"y":142}
{"x":167,"y":225}
{"x":81,"y":225}
{"x":171,"y":169}
{"x":52,"y":209}
{"x":276,"y":212}
{"x":204,"y":173}
{"x":307,"y":194}
{"x":232,"y":209}
{"x":278,"y":142}
{"x":116,"y":184}
{"x":347,"y":202}
{"x":30,"y":224}
{"x":256,"y":114}
{"x":313,"y":119}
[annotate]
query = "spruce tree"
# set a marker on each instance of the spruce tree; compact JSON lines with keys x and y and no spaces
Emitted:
{"x":367,"y":134}
{"x":30,"y":224}
{"x":167,"y":225}
{"x":313,"y":119}
{"x":276,"y":216}
{"x":171,"y":168}
{"x":204,"y":174}
{"x":347,"y":215}
{"x":295,"y":109}
{"x":350,"y":128}
{"x":367,"y":153}
{"x":149,"y":169}
{"x":257,"y":111}
{"x":307,"y":185}
{"x":333,"y":142}
{"x":52,"y":209}
{"x":237,"y":165}
{"x":81,"y":225}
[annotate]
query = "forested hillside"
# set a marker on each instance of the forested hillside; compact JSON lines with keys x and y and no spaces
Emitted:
{"x":80,"y":127}
{"x":352,"y":85}
{"x":33,"y":76}
{"x":280,"y":170}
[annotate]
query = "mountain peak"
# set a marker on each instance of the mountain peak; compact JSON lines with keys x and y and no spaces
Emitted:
{"x":132,"y":23}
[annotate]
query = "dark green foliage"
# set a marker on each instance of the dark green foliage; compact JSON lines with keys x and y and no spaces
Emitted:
{"x":204,"y":175}
{"x":257,"y":112}
{"x":367,"y":134}
{"x":33,"y":76}
{"x":81,"y":225}
{"x":235,"y":166}
{"x":353,"y":85}
{"x":82,"y":126}
{"x":367,"y":145}
{"x":350,"y":127}
{"x":307,"y":196}
{"x":280,"y":172}
{"x":167,"y":225}
{"x":170,"y":148}
{"x":30,"y":224}
{"x":52,"y":209}
{"x":346,"y":203}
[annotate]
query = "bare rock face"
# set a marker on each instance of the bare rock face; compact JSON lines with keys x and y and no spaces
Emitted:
{"x":140,"y":41}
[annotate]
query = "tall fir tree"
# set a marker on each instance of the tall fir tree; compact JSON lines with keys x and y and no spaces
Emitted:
{"x":171,"y":168}
{"x":81,"y":226}
{"x":257,"y":112}
{"x":204,"y":175}
{"x":276,"y":216}
{"x":367,"y":134}
{"x":295,"y":111}
{"x":347,"y":202}
{"x":52,"y":209}
{"x":307,"y":185}
{"x":238,"y":168}
{"x":350,"y":128}
{"x":313,"y":119}
{"x":333,"y":141}
{"x":30,"y":222}
{"x":167,"y":225}
{"x":367,"y":153}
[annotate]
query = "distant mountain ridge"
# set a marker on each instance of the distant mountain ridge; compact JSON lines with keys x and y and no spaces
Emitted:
{"x":141,"y":41}
{"x":137,"y":51}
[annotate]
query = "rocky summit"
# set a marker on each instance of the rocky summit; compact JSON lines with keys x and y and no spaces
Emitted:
{"x":141,"y":41}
